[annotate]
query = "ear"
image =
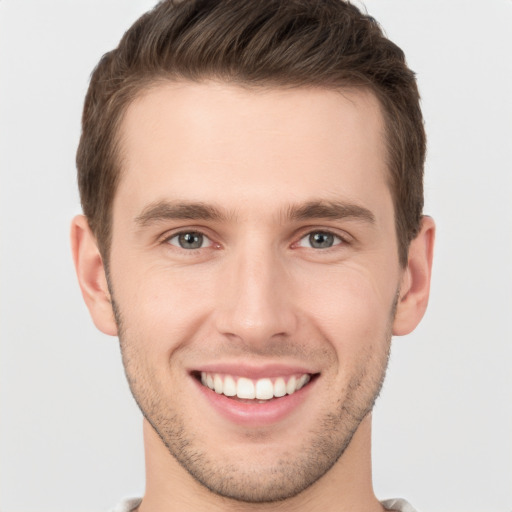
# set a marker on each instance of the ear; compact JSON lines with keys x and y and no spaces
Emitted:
{"x":91,"y":275}
{"x":415,"y":285}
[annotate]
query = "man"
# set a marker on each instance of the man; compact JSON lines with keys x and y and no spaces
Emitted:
{"x":251,"y":179}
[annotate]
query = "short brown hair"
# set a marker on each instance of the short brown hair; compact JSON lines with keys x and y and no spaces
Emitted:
{"x":282,"y":43}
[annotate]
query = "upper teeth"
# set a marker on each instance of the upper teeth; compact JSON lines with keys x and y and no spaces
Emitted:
{"x":262,"y":389}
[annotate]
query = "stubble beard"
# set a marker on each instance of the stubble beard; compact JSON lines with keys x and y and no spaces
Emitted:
{"x":293,"y":472}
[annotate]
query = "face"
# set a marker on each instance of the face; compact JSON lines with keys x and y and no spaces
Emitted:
{"x":254,"y":273}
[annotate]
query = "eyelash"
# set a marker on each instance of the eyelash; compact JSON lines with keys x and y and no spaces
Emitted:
{"x":189,"y":232}
{"x":337,"y":240}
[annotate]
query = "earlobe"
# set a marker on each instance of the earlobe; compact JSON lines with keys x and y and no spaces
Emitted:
{"x":91,"y":275}
{"x":415,"y":286}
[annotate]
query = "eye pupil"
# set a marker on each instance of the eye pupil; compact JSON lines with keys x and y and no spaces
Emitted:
{"x":321,"y":240}
{"x":190,"y":240}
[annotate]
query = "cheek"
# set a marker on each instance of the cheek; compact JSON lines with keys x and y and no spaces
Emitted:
{"x":162,"y":307}
{"x":351,"y":308}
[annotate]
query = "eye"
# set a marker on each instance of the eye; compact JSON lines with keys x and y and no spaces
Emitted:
{"x":190,"y":240}
{"x":319,"y":240}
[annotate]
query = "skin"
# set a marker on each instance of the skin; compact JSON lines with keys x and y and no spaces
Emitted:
{"x":256,"y":292}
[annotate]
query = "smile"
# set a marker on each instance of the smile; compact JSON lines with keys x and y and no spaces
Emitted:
{"x":258,"y":389}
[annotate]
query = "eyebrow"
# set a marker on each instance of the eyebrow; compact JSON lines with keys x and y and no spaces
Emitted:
{"x":332,"y":210}
{"x":165,"y":210}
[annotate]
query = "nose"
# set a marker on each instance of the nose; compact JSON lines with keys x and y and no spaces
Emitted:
{"x":255,"y":306}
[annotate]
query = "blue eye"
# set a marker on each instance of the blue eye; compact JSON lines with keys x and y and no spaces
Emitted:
{"x":190,"y":240}
{"x":320,"y":240}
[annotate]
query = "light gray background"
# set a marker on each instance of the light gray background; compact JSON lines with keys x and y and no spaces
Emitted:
{"x":70,"y":434}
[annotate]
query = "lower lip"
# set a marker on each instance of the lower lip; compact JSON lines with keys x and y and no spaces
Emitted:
{"x":257,"y":413}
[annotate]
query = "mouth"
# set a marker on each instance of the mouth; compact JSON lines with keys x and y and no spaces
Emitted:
{"x":248,"y":390}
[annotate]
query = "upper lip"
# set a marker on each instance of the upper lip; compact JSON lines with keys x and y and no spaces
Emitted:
{"x":251,"y":371}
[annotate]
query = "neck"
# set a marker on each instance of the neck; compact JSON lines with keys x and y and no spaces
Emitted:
{"x":347,"y":486}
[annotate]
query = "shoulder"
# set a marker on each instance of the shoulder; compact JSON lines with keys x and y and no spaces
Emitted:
{"x":127,"y":505}
{"x":398,"y":505}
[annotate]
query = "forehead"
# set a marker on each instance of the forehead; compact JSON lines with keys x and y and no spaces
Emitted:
{"x":225,"y":143}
